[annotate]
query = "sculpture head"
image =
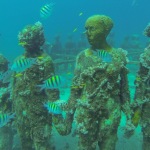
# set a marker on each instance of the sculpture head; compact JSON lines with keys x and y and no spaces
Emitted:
{"x":97,"y":29}
{"x":32,"y":38}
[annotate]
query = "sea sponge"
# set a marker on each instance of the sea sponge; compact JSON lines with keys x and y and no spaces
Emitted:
{"x":144,"y":58}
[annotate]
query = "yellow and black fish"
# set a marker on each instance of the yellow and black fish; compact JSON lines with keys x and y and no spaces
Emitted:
{"x":54,"y":82}
{"x":22,"y":64}
{"x":103,"y":54}
{"x":53,"y":108}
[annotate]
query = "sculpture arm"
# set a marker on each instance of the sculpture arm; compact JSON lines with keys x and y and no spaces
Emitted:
{"x":124,"y":93}
{"x":64,"y":125}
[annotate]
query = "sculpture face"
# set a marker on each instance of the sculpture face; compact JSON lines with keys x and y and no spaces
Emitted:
{"x":94,"y":32}
{"x":97,"y":28}
{"x":32,"y":37}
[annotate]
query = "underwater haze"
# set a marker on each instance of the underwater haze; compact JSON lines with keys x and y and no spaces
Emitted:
{"x":129,"y":16}
{"x":66,"y":19}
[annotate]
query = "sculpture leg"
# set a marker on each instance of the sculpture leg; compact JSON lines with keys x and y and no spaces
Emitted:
{"x":146,"y":137}
{"x":87,"y":128}
{"x":109,"y":142}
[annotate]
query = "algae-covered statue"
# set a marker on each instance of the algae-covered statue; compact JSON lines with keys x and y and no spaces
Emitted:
{"x":141,"y":105}
{"x":99,"y":90}
{"x":6,"y":130}
{"x":34,"y":124}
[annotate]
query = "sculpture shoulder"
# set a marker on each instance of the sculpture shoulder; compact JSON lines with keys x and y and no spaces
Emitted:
{"x":120,"y":55}
{"x":82,"y":55}
{"x":119,"y":51}
{"x":145,"y":58}
{"x":45,"y":58}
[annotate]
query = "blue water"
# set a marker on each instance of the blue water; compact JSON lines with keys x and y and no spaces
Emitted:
{"x":129,"y":16}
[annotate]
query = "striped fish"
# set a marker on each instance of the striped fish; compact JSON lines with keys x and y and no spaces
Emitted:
{"x":54,"y":82}
{"x":22,"y":64}
{"x":104,"y":55}
{"x":5,"y":118}
{"x":53,"y":108}
{"x":46,"y":10}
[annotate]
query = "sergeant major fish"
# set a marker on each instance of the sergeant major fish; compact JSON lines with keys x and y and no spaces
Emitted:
{"x":103,"y":54}
{"x":46,"y":10}
{"x":53,"y":108}
{"x":54,"y":82}
{"x":22,"y":64}
{"x":5,"y":118}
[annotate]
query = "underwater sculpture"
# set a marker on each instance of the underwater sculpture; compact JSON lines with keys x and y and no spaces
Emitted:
{"x":56,"y":47}
{"x":34,"y":124}
{"x":141,"y":105}
{"x":6,"y":131}
{"x":147,"y":30}
{"x":99,"y":90}
{"x":32,"y":38}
